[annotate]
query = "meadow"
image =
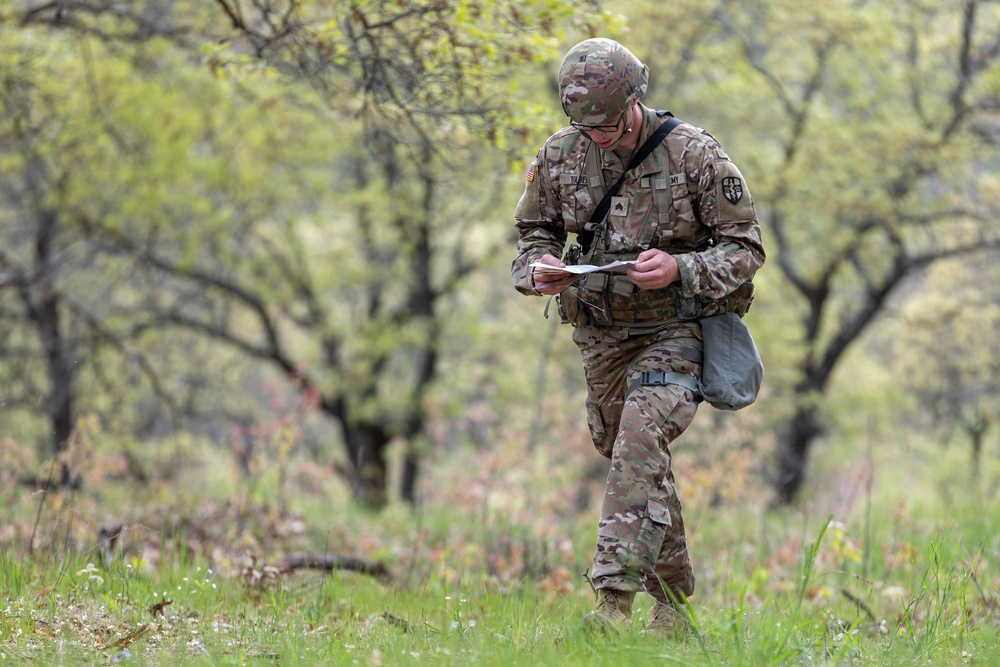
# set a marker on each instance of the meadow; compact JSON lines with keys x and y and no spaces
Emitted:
{"x":892,"y":561}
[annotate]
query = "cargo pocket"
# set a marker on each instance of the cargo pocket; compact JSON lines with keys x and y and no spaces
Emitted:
{"x":570,"y":311}
{"x":604,"y":441}
{"x":655,"y":523}
{"x":594,"y":299}
{"x":577,"y":202}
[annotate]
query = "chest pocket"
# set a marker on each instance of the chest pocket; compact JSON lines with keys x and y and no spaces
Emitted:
{"x":686,"y":230}
{"x":577,"y":202}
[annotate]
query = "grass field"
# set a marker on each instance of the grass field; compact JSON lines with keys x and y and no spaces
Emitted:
{"x":489,"y":570}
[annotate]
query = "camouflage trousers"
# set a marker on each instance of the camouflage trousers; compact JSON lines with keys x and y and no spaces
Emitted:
{"x":640,"y":537}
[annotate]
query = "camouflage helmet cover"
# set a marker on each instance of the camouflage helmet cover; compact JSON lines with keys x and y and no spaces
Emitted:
{"x":597,"y":80}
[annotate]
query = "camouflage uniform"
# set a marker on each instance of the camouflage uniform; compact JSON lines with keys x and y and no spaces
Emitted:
{"x":687,"y":198}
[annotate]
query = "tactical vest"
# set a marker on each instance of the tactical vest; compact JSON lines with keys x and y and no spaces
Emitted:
{"x":612,"y":299}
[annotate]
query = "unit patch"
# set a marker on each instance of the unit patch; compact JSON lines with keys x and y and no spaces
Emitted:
{"x":732,"y":189}
{"x":733,"y":199}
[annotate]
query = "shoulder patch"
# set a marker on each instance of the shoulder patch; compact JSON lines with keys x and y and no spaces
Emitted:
{"x":531,"y":172}
{"x":529,"y":206}
{"x":733,"y":198}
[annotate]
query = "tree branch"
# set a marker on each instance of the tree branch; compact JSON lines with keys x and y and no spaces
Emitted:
{"x":62,"y":13}
{"x":97,"y":326}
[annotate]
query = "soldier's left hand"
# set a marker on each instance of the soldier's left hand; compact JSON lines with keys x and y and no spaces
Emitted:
{"x":653,"y":269}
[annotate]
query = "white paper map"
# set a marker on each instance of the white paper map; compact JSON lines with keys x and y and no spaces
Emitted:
{"x":582,"y":268}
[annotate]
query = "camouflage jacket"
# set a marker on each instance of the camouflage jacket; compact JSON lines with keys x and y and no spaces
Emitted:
{"x":686,"y":198}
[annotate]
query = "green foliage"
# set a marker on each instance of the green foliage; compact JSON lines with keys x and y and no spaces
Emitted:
{"x":325,"y":188}
{"x":146,"y":162}
{"x":946,"y":363}
{"x":867,"y":135}
{"x":488,"y":572}
{"x":311,"y":195}
{"x":348,"y":230}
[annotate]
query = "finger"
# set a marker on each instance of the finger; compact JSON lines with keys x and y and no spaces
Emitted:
{"x":647,"y":264}
{"x":645,"y":256}
{"x":549,"y":276}
{"x":639,"y":273}
{"x":555,"y":283}
{"x":552,"y":261}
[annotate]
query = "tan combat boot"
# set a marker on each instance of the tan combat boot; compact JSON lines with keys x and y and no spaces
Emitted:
{"x":614,"y":608}
{"x":665,"y":620}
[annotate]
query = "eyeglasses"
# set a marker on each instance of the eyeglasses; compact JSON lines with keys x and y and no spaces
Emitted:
{"x":599,"y":128}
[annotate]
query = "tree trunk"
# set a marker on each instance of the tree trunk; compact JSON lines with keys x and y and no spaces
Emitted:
{"x":368,"y":445}
{"x":411,"y":470}
{"x":45,"y":314}
{"x":793,"y":451}
{"x":976,"y":434}
{"x":60,"y":401}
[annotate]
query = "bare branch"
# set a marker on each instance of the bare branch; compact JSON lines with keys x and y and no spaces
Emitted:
{"x":67,"y":13}
{"x":784,"y":256}
{"x":959,"y":106}
{"x":95,"y":324}
{"x":916,"y":92}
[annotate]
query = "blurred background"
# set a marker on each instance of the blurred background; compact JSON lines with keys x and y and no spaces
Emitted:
{"x":254,"y":263}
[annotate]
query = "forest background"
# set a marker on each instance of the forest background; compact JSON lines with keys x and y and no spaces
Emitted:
{"x":255,"y":300}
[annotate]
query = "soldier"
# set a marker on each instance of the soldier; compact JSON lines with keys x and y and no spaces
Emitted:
{"x":686,"y":218}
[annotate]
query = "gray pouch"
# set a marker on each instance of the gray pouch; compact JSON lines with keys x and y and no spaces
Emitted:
{"x":732,"y":371}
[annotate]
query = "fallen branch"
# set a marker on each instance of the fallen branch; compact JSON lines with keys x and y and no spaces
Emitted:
{"x":392,"y":619}
{"x":330,"y":562}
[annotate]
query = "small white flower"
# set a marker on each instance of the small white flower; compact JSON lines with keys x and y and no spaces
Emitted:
{"x":92,"y":574}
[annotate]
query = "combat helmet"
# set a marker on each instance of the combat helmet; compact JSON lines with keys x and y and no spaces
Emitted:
{"x":597,"y":80}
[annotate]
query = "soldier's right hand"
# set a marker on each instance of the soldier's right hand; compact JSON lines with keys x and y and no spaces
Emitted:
{"x":551,"y":282}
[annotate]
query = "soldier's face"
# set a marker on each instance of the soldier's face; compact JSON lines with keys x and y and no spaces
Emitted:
{"x":611,"y":136}
{"x":606,"y":135}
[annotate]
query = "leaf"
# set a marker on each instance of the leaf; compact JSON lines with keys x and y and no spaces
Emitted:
{"x":156,"y":609}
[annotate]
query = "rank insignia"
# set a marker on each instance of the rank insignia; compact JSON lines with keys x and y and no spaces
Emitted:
{"x":619,"y":206}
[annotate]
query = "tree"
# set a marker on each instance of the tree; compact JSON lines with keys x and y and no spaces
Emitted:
{"x":868,"y":135}
{"x":951,"y":365}
{"x":90,"y":147}
{"x":37,"y":260}
{"x":341,"y":276}
{"x":917,"y":110}
{"x":422,"y":77}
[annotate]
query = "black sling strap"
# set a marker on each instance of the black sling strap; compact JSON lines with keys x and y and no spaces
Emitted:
{"x":601,"y":212}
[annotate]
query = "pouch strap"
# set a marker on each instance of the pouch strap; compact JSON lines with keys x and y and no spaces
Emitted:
{"x":658,"y":378}
{"x":693,"y":354}
{"x":601,"y":212}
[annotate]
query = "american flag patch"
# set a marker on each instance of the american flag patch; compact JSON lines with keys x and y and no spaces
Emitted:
{"x":531,"y":172}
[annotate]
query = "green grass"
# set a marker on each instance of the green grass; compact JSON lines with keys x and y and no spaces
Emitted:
{"x":98,"y":615}
{"x":481,"y":577}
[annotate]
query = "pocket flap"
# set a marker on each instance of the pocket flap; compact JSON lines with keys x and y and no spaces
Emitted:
{"x":658,"y":512}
